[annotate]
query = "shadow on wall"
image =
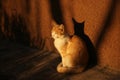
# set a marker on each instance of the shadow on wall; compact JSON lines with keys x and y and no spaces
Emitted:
{"x":79,"y":31}
{"x":14,"y":28}
{"x":56,"y":11}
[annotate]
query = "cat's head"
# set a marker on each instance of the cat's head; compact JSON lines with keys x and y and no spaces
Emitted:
{"x":57,"y":30}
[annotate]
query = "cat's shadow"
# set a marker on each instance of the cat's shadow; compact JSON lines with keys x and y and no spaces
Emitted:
{"x":79,"y":31}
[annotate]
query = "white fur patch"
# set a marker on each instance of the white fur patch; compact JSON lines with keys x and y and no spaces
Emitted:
{"x":60,"y":42}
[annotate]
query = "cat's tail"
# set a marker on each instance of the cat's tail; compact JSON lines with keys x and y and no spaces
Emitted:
{"x":77,"y":69}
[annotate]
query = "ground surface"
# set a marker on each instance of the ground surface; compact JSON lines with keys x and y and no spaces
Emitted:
{"x":18,"y":62}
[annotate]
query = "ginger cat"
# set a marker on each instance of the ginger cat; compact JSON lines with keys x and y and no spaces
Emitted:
{"x":72,"y":50}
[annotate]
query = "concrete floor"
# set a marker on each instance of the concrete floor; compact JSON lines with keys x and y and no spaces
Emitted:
{"x":18,"y":62}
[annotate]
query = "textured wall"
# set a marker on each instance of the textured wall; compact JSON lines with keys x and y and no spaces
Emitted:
{"x":28,"y":21}
{"x":109,"y":42}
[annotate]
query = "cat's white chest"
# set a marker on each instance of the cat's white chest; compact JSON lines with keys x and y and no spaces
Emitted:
{"x":59,"y":43}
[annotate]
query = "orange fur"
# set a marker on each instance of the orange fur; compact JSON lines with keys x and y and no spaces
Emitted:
{"x":72,"y":50}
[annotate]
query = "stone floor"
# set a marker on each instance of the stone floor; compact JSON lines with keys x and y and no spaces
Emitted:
{"x":18,"y":62}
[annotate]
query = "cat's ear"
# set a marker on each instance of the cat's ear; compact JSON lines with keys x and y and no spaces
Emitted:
{"x":62,"y":26}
